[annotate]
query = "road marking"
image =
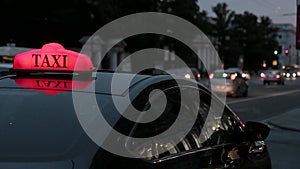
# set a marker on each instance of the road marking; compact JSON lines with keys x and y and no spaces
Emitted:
{"x":264,"y":97}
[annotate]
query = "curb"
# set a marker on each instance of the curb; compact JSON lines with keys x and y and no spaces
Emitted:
{"x":283,"y":128}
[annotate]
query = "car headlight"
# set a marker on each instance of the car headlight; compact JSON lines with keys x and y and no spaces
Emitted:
{"x":188,"y":76}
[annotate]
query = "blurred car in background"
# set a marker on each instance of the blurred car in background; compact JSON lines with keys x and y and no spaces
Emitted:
{"x":297,"y":70}
{"x":4,"y":67}
{"x":7,"y":55}
{"x":283,"y":73}
{"x":196,"y":73}
{"x":235,"y":69}
{"x":188,"y":73}
{"x":273,"y":76}
{"x":246,"y":75}
{"x":235,"y":84}
{"x":291,"y":74}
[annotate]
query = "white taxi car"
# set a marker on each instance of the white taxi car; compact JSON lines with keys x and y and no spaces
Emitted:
{"x":40,"y":126}
{"x":235,"y":84}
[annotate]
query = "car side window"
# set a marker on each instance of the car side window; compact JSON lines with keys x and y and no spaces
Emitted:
{"x":223,"y":130}
{"x":226,"y":128}
{"x":152,"y":150}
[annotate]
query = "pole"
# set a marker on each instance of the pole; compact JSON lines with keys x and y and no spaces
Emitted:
{"x":298,"y":31}
{"x":298,"y":26}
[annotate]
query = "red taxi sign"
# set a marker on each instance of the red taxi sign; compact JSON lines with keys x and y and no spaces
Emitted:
{"x":52,"y":57}
{"x":52,"y":86}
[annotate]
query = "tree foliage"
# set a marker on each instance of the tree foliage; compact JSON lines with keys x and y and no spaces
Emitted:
{"x":221,"y":29}
{"x":33,"y":23}
{"x":243,"y":35}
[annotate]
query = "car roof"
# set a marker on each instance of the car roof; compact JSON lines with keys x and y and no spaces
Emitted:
{"x":226,"y":71}
{"x":102,"y":81}
{"x":272,"y":71}
{"x":233,"y":68}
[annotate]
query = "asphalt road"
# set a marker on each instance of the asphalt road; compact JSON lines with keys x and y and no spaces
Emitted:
{"x":265,"y":103}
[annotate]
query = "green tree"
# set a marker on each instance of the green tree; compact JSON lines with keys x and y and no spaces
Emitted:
{"x":204,"y":22}
{"x":185,"y":9}
{"x":221,"y":27}
{"x":269,"y":40}
{"x":256,"y":37}
{"x":34,"y":23}
{"x":190,"y":11}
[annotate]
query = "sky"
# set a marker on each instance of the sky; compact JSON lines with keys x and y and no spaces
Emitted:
{"x":280,"y":11}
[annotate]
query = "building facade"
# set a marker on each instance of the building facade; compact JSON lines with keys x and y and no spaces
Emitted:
{"x":287,"y":52}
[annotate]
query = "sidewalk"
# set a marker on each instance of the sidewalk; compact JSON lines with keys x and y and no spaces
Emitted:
{"x":284,"y":140}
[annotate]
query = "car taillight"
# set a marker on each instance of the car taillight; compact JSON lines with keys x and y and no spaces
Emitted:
{"x":277,"y":76}
{"x":232,"y":76}
{"x":211,"y":75}
{"x":262,"y":75}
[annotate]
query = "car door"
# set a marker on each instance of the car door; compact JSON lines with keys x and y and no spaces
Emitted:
{"x":197,"y":149}
{"x":222,"y":146}
{"x":165,"y":152}
{"x":230,"y":146}
{"x":220,"y":142}
{"x":201,"y":148}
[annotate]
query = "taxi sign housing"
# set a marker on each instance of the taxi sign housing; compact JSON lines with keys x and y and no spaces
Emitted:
{"x":52,"y":57}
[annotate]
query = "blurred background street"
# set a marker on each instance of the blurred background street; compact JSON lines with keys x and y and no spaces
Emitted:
{"x":279,"y":107}
{"x":253,"y":36}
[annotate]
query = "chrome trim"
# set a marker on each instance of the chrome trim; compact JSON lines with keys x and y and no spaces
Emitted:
{"x":193,"y":151}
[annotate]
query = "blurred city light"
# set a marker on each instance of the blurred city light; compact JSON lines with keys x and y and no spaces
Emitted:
{"x":274,"y":62}
{"x":286,"y":51}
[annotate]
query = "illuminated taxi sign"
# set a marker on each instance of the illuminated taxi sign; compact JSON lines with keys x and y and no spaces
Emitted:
{"x":52,"y":57}
{"x":50,"y":61}
{"x":52,"y":86}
